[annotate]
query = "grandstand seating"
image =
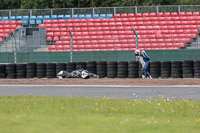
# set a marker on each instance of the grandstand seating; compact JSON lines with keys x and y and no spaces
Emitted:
{"x":6,"y":27}
{"x":155,"y":31}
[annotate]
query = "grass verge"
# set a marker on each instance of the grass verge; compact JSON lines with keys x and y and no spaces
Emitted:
{"x":34,"y":114}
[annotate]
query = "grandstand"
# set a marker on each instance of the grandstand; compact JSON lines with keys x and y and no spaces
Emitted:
{"x":110,"y":32}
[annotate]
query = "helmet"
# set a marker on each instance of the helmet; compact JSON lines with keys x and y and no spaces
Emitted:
{"x":143,"y":52}
{"x":137,"y":52}
{"x":84,"y":74}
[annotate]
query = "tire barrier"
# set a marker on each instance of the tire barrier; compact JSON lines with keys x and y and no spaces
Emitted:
{"x":91,"y":66}
{"x":2,"y":71}
{"x":70,"y":66}
{"x":122,"y":69}
{"x":165,"y":69}
{"x":133,"y":67}
{"x":81,"y":65}
{"x":21,"y":71}
{"x":102,"y":69}
{"x":176,"y":69}
{"x":196,"y":68}
{"x":60,"y":67}
{"x":30,"y":70}
{"x":11,"y":72}
{"x":155,"y":69}
{"x":187,"y":69}
{"x":110,"y":69}
{"x":51,"y":70}
{"x":41,"y":70}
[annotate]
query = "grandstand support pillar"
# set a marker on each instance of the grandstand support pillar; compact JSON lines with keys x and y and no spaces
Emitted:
{"x":179,"y":9}
{"x":30,"y":12}
{"x":10,"y":14}
{"x":93,"y":10}
{"x":51,"y":12}
{"x":157,"y":10}
{"x":136,"y":35}
{"x":15,"y":47}
{"x":71,"y":48}
{"x":114,"y":10}
{"x":72,"y":11}
{"x":135,"y":9}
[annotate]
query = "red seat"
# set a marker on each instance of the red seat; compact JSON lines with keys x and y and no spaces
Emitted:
{"x":41,"y":25}
{"x":62,"y":25}
{"x":47,"y":22}
{"x":181,"y":13}
{"x":82,"y":21}
{"x":56,"y":34}
{"x":174,"y":14}
{"x":188,"y":13}
{"x":58,"y":43}
{"x":66,"y":42}
{"x":104,"y":24}
{"x":138,"y":15}
{"x":66,"y":47}
{"x":64,"y":33}
{"x":56,"y":38}
{"x":61,"y":21}
{"x":68,"y":21}
{"x":124,"y":19}
{"x":12,"y":22}
{"x":166,"y":14}
{"x":96,"y":20}
{"x":124,"y":15}
{"x":130,"y":15}
{"x":65,"y":38}
{"x":116,"y":16}
{"x":91,"y":28}
{"x":54,"y":25}
{"x":160,"y":14}
{"x":55,"y":29}
{"x":97,"y":24}
{"x":195,"y":13}
{"x":54,"y":21}
{"x":52,"y":47}
{"x":49,"y":38}
{"x":117,"y":19}
{"x":75,"y":21}
{"x":152,"y":14}
{"x":12,"y":26}
{"x":63,"y":29}
{"x":145,"y":14}
{"x":102,"y":20}
{"x":50,"y":34}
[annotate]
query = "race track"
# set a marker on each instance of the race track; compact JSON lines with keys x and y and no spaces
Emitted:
{"x":116,"y":92}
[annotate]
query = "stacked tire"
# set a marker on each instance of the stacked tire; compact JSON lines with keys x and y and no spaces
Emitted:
{"x":122,"y":69}
{"x":21,"y":70}
{"x":70,"y":66}
{"x":111,"y":69}
{"x":51,"y":70}
{"x":187,"y":67}
{"x":41,"y":70}
{"x":2,"y":71}
{"x":11,"y":71}
{"x":30,"y":70}
{"x":133,"y":68}
{"x":196,"y":68}
{"x":91,"y":66}
{"x":155,"y":69}
{"x":176,"y":69}
{"x":165,"y":69}
{"x":102,"y":69}
{"x":80,"y":65}
{"x":60,"y":67}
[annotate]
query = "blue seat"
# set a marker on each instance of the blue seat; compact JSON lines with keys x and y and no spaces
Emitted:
{"x":74,"y":16}
{"x":19,"y":18}
{"x":32,"y":17}
{"x":81,"y":16}
{"x":60,"y":16}
{"x":25,"y":22}
{"x":38,"y":21}
{"x":88,"y":16}
{"x":25,"y":18}
{"x":0,"y":18}
{"x":109,"y":16}
{"x":67,"y":17}
{"x":39,"y":17}
{"x":31,"y":21}
{"x":5,"y":18}
{"x":46,"y":17}
{"x":102,"y":15}
{"x":95,"y":16}
{"x":54,"y":16}
{"x":12,"y":18}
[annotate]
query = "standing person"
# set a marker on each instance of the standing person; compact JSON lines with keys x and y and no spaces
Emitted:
{"x":144,"y":60}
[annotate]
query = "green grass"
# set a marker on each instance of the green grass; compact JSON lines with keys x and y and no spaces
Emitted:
{"x":33,"y":114}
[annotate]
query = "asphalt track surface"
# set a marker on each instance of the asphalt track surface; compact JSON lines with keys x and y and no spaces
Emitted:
{"x":116,"y":92}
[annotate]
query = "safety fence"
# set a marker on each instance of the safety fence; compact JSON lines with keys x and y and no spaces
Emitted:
{"x":110,"y":69}
{"x":100,"y":10}
{"x":83,"y":56}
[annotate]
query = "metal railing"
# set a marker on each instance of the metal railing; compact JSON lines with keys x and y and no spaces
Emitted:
{"x":100,"y":10}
